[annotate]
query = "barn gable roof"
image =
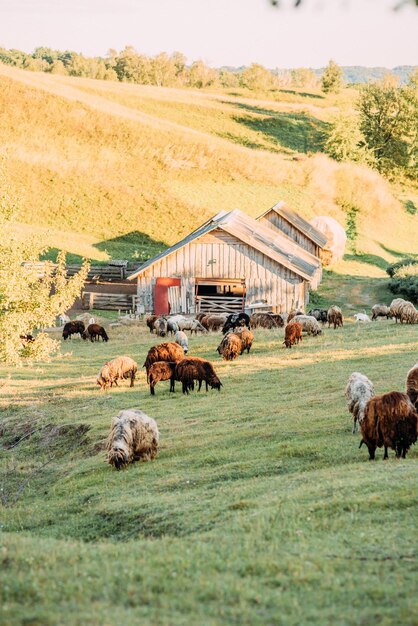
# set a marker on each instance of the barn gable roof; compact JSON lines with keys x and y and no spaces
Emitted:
{"x":298,"y":222}
{"x":273,"y":244}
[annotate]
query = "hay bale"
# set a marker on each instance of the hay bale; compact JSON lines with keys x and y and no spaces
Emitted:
{"x":336,"y":238}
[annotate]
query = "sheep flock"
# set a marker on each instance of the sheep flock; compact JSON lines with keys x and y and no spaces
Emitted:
{"x":389,"y":420}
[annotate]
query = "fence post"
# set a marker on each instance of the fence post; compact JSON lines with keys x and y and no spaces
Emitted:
{"x":91,"y":300}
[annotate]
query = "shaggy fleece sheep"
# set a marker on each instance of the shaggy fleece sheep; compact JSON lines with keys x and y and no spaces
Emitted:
{"x":230,"y":347}
{"x":168,"y":351}
{"x":120,"y":368}
{"x":181,"y":339}
{"x":335,"y":316}
{"x":309,"y":324}
{"x":390,"y":421}
{"x":292,"y":333}
{"x":380,"y":310}
{"x":133,"y":436}
{"x":358,"y":392}
{"x":412,"y":385}
{"x":194,"y":368}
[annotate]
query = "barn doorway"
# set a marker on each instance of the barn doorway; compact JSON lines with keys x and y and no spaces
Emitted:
{"x":220,"y":295}
{"x":166,"y":296}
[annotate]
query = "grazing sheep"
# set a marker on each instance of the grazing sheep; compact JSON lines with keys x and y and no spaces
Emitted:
{"x":133,"y":437}
{"x":246,"y":336}
{"x":266,"y":320}
{"x":191,"y":324}
{"x":408,"y":313}
{"x":213,"y":323}
{"x":380,"y":310}
{"x":390,"y":421}
{"x":72,"y":328}
{"x":150,"y":322}
{"x":358,"y":392}
{"x":172,"y":327}
{"x":394,"y":309}
{"x":193,"y":368}
{"x":412,"y":385}
{"x":169,"y":351}
{"x":161,"y":370}
{"x":120,"y":368}
{"x":362,"y":317}
{"x":181,"y":339}
{"x":94,"y":331}
{"x":292,"y":333}
{"x":335,"y":316}
{"x":230,"y":347}
{"x":200,"y":316}
{"x":309,"y":324}
{"x":293,"y":313}
{"x":321,"y":315}
{"x":279,"y":319}
{"x":234,"y":320}
{"x":160,"y":326}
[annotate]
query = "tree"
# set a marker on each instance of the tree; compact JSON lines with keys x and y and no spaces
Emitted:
{"x":200,"y":75}
{"x":31,"y":296}
{"x":332,"y":78}
{"x":257,"y":78}
{"x":346,"y":142}
{"x":388,"y":121}
{"x":304,"y":78}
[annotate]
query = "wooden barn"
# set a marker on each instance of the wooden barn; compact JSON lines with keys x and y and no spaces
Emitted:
{"x":230,"y":263}
{"x":287,"y":221}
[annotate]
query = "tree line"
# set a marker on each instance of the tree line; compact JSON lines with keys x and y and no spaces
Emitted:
{"x":162,"y":70}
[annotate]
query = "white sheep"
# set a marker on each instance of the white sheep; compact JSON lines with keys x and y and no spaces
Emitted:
{"x":181,"y":338}
{"x":133,"y":436}
{"x":362,"y":317}
{"x":309,"y":324}
{"x":191,"y":324}
{"x":358,"y":392}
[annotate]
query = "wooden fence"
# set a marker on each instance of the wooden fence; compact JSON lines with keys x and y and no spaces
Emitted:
{"x":109,"y":301}
{"x":219,"y":304}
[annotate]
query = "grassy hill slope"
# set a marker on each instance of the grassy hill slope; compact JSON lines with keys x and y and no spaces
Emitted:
{"x":105,"y":169}
{"x":262,"y":511}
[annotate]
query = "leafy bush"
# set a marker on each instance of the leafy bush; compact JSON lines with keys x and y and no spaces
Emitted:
{"x":393,"y":269}
{"x":404,"y":278}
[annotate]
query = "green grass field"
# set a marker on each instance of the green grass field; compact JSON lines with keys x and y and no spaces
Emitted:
{"x":259,"y":509}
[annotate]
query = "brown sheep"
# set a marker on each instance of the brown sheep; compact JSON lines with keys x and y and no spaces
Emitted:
{"x":293,"y":334}
{"x":335,"y":316}
{"x":194,"y":368}
{"x":230,"y":347}
{"x":94,"y":331}
{"x":390,"y":421}
{"x":213,"y":322}
{"x":168,"y":351}
{"x":161,"y":370}
{"x":200,"y":316}
{"x":412,"y":385}
{"x":72,"y":328}
{"x":265,"y":320}
{"x":150,"y":322}
{"x":247,"y":338}
{"x":120,"y":368}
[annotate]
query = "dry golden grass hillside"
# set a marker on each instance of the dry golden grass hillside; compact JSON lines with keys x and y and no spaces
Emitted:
{"x":106,"y":169}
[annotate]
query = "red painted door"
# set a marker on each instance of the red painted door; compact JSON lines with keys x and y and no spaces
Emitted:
{"x":161,"y":305}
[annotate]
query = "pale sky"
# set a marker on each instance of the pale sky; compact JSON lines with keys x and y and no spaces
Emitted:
{"x":221,"y":32}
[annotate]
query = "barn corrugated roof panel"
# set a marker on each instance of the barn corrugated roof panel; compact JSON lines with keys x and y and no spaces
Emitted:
{"x":273,"y":244}
{"x":298,"y":222}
